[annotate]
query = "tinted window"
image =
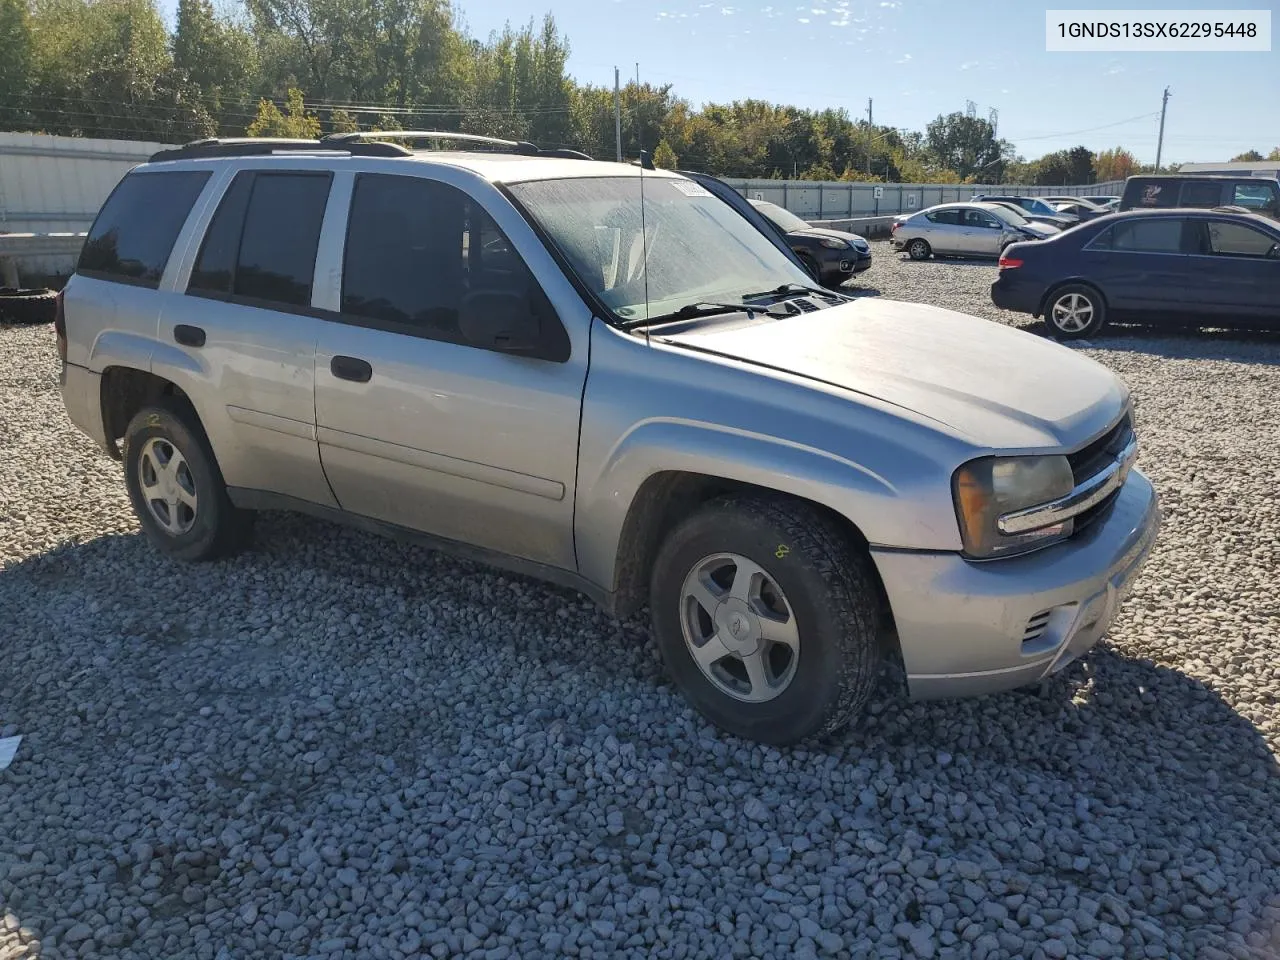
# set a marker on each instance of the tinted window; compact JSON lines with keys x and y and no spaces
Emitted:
{"x":1142,"y":236}
{"x":976,"y":218}
{"x":944,"y":216}
{"x":215,"y":264}
{"x":133,"y":235}
{"x":1201,"y":194}
{"x":1261,"y":196}
{"x":1155,"y":194}
{"x":416,"y":248}
{"x":1237,"y":240}
{"x":281,"y":233}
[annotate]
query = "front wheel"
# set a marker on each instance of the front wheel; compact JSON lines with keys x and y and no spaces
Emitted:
{"x":1074,"y":311}
{"x":767,"y":618}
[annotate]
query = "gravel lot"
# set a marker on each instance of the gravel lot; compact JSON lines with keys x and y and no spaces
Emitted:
{"x":339,"y":745}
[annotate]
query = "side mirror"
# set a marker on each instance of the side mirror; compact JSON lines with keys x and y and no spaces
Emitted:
{"x":500,"y":320}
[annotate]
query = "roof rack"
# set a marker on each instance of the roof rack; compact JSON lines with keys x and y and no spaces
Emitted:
{"x":262,"y":146}
{"x":514,"y":146}
{"x":365,"y":143}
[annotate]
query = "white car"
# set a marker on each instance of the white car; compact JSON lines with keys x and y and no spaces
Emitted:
{"x":965,"y":230}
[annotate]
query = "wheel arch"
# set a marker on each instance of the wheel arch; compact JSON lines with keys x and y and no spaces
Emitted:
{"x":124,"y":391}
{"x":667,"y":497}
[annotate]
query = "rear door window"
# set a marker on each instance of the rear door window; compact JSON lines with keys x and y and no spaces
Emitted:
{"x":1237,"y":240}
{"x":261,"y":245}
{"x":1201,"y":194}
{"x":133,"y":235}
{"x":950,"y":217}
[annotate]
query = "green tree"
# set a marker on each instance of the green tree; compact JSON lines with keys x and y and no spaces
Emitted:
{"x":1249,"y":156}
{"x":293,"y":122}
{"x":1114,"y":164}
{"x":1274,"y":154}
{"x":964,"y":144}
{"x":665,"y":157}
{"x":214,"y":55}
{"x":15,"y":62}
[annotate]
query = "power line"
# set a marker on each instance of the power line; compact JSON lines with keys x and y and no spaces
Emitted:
{"x":1072,"y":133}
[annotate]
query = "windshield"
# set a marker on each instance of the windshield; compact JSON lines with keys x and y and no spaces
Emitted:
{"x":699,"y":247}
{"x":784,"y":218}
{"x":1007,"y":214}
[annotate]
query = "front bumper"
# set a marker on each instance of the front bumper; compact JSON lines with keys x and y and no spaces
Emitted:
{"x":840,"y":265}
{"x":969,"y":628}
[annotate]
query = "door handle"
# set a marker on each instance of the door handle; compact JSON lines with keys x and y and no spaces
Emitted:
{"x":188,"y":335}
{"x":351,"y":368}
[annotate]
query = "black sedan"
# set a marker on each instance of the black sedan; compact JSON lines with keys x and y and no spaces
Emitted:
{"x":1206,"y":266}
{"x":833,"y":256}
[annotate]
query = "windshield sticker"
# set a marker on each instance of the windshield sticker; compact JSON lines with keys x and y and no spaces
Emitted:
{"x":690,"y":189}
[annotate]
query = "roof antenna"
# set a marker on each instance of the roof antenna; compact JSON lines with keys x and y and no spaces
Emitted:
{"x":646,"y":163}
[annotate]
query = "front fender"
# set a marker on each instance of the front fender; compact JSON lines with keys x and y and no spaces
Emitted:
{"x":886,"y":514}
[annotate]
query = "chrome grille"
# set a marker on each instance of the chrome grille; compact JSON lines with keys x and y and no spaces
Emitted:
{"x":1101,"y":452}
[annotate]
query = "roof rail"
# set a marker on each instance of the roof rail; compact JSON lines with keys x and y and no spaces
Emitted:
{"x":262,"y":146}
{"x":361,"y":136}
{"x":514,"y":146}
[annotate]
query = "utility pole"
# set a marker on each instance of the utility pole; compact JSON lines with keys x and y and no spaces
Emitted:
{"x":870,"y":134}
{"x":617,"y":113}
{"x":637,"y":76}
{"x":1164,"y":105}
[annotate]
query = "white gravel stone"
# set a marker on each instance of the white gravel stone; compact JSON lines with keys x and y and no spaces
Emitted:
{"x":338,"y":745}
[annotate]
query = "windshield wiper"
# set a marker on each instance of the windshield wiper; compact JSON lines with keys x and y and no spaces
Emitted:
{"x":702,"y":308}
{"x":791,"y":288}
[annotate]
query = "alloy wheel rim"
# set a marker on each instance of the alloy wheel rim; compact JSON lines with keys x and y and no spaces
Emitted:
{"x":168,"y":486}
{"x":739,"y":628}
{"x":1072,"y":312}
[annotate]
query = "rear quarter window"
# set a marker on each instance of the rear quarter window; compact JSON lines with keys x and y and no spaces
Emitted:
{"x":1201,"y":194}
{"x":133,"y":235}
{"x":1152,"y":194}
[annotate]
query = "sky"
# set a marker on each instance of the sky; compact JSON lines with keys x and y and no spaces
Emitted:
{"x":916,"y":59}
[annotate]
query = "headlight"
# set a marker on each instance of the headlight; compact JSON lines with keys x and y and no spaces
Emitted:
{"x":834,"y":243}
{"x":861,"y":245}
{"x":986,"y":489}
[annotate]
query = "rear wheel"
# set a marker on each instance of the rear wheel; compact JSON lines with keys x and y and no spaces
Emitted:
{"x":767,"y":618}
{"x":918,"y":249}
{"x":176,"y":487}
{"x":1074,"y":311}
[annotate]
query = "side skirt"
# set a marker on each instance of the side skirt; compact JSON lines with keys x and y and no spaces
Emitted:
{"x":248,"y":499}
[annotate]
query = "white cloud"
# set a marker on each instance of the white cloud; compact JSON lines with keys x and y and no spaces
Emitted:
{"x":889,"y":4}
{"x":727,"y":11}
{"x":905,"y":58}
{"x":840,"y":23}
{"x":970,"y":64}
{"x":804,"y":20}
{"x":818,"y":12}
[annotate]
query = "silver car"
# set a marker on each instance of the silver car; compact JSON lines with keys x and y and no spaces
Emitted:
{"x":964,"y":230}
{"x":605,"y":377}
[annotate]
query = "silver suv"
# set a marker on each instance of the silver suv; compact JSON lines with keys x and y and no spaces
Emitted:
{"x":605,"y":376}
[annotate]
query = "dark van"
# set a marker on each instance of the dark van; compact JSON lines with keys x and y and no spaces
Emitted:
{"x":1259,"y":195}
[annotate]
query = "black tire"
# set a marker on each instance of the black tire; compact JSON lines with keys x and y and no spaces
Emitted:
{"x":1065,"y":326}
{"x":830,"y":589}
{"x":919,"y":249}
{"x":27,"y":306}
{"x":217,"y":527}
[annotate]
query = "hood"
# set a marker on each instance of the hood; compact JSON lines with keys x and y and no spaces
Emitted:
{"x":819,"y":232}
{"x":994,"y":386}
